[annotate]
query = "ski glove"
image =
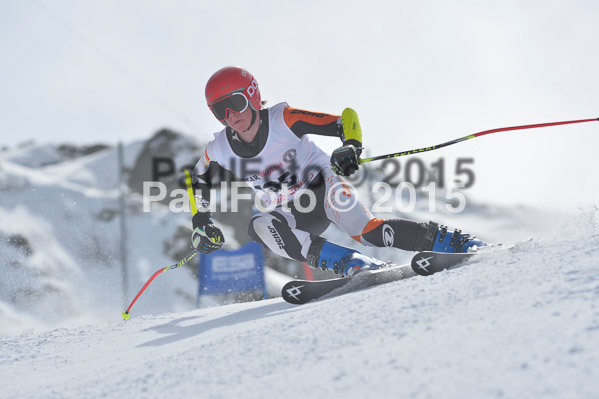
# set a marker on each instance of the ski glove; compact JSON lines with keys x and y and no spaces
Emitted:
{"x":206,"y":237}
{"x":344,"y":160}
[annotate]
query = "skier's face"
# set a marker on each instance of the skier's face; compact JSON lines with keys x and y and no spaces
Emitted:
{"x":240,"y":121}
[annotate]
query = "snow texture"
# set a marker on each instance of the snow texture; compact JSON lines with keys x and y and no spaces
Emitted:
{"x":519,"y":326}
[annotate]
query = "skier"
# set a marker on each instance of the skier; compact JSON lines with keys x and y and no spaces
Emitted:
{"x":270,"y":149}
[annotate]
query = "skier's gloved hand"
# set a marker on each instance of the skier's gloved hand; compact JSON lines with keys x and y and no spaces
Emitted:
{"x":344,"y":160}
{"x":206,"y":237}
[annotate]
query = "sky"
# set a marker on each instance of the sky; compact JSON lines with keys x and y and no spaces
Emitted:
{"x":417,"y":73}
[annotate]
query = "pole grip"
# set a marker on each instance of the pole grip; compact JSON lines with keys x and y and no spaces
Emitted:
{"x":190,"y":193}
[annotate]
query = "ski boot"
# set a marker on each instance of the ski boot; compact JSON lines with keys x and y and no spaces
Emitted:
{"x":437,"y":239}
{"x":341,"y":260}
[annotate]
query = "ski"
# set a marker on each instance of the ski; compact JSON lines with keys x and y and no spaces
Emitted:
{"x":428,"y":262}
{"x":299,"y":292}
{"x":423,"y":263}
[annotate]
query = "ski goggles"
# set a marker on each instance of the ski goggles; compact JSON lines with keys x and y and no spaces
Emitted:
{"x":234,"y":102}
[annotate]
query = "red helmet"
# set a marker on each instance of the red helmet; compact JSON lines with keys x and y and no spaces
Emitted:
{"x":233,"y":79}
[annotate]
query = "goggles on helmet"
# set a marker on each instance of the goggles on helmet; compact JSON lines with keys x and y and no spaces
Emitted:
{"x":234,"y":102}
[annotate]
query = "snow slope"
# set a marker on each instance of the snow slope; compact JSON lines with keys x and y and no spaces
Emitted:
{"x":525,"y":325}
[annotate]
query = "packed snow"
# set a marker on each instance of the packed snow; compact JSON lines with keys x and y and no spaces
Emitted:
{"x":525,"y":324}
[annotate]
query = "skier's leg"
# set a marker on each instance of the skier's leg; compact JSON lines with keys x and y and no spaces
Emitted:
{"x":278,"y":231}
{"x":322,"y":253}
{"x":294,"y":234}
{"x":413,"y":236}
{"x":345,"y":209}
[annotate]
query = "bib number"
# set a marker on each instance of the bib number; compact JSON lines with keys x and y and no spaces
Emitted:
{"x":285,"y":179}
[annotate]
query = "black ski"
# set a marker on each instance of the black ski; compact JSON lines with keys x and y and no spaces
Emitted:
{"x":302,"y":291}
{"x":428,"y":262}
{"x":423,"y":263}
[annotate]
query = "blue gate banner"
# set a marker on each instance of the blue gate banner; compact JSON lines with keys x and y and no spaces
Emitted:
{"x":224,"y":272}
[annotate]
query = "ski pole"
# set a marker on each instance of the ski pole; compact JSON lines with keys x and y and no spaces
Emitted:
{"x":502,"y":129}
{"x":183,"y":261}
{"x":189,"y":257}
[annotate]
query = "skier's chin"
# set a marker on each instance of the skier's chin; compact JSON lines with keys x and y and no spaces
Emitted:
{"x":240,"y":126}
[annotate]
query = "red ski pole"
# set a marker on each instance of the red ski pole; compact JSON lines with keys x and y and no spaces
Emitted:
{"x":189,"y":256}
{"x":501,"y":129}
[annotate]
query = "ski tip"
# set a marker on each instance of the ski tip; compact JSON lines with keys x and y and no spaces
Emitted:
{"x":125,"y":315}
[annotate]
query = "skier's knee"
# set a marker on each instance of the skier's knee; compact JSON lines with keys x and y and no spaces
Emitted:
{"x":261,"y":226}
{"x":371,"y":233}
{"x":252,"y":229}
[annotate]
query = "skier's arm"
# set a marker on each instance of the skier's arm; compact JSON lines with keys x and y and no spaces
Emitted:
{"x":202,"y":180}
{"x":344,"y":160}
{"x":206,"y":236}
{"x":302,"y":122}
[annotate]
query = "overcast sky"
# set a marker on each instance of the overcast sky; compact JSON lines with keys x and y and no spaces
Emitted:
{"x":418,"y":73}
